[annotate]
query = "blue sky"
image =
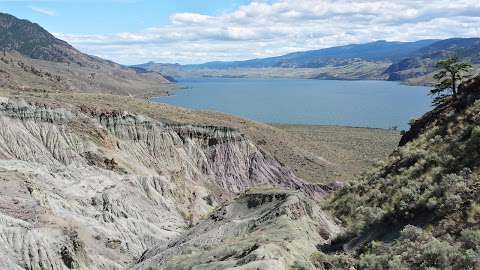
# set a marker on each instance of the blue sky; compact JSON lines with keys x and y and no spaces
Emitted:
{"x":195,"y":31}
{"x":109,"y":16}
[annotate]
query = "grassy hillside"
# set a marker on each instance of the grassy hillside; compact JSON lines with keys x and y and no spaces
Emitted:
{"x":23,"y":73}
{"x":350,"y":150}
{"x":33,"y":59}
{"x":420,"y":210}
{"x":32,"y":40}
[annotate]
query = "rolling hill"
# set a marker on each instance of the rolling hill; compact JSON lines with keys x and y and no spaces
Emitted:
{"x":32,"y":58}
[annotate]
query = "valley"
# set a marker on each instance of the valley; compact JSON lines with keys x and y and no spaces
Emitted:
{"x":353,"y":150}
{"x":97,"y":174}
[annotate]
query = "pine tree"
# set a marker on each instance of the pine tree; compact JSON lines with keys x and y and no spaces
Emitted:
{"x":452,"y":73}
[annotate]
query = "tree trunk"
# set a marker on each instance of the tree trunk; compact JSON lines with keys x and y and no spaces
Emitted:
{"x":454,"y":86}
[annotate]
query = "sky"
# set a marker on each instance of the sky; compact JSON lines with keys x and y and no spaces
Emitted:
{"x":196,"y":31}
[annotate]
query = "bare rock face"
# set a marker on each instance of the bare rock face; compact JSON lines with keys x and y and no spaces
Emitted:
{"x":84,"y":191}
{"x":264,"y":229}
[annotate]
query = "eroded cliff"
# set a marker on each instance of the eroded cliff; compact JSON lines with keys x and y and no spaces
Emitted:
{"x":86,"y":189}
{"x":261,"y":229}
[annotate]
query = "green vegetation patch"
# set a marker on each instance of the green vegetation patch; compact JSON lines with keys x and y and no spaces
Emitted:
{"x":420,"y":210}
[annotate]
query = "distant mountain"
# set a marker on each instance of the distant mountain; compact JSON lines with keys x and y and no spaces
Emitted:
{"x":32,"y":58}
{"x":463,"y":47}
{"x":422,"y":62}
{"x":380,"y":60}
{"x":374,"y":51}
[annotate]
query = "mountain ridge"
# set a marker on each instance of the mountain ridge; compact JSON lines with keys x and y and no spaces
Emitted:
{"x":413,"y":62}
{"x":373,"y":51}
{"x":32,"y":40}
{"x":32,"y":58}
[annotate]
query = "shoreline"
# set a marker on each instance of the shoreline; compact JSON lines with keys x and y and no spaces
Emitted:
{"x":339,"y":126}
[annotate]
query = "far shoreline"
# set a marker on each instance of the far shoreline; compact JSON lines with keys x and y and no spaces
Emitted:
{"x":333,"y":125}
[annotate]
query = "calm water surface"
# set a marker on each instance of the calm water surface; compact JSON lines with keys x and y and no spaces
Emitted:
{"x":377,"y":104}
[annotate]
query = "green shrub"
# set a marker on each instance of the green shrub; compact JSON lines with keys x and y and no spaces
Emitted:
{"x":432,"y":181}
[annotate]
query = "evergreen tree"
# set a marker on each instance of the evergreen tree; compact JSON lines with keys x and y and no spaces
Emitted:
{"x":452,"y":73}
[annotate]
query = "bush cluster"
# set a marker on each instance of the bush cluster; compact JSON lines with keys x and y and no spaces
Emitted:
{"x":432,"y":183}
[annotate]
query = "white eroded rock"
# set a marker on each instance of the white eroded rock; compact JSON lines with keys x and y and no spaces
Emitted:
{"x":95,"y":192}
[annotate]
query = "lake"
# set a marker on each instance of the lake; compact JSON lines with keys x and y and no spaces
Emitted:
{"x":377,"y":104}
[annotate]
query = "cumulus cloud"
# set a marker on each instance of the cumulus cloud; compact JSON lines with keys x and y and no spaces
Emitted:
{"x":269,"y":28}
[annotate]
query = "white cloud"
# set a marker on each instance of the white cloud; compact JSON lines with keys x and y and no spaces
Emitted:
{"x":43,"y":11}
{"x":189,"y":18}
{"x":268,"y":28}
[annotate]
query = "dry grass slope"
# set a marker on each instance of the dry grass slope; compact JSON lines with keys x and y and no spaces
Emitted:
{"x":23,"y":73}
{"x":351,"y":150}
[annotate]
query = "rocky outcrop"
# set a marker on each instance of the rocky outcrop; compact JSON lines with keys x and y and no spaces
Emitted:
{"x":222,"y":156}
{"x":94,"y":191}
{"x":262,"y":229}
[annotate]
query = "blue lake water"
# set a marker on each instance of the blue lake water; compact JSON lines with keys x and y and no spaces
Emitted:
{"x":378,"y":104}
